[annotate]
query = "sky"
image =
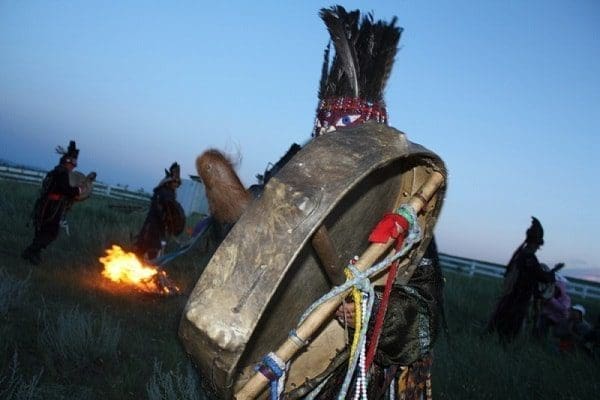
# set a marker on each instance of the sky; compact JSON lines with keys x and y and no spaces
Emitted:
{"x":507,"y":93}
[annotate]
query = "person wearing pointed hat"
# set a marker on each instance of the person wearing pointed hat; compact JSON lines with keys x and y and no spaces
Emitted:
{"x":523,"y":275}
{"x":165,"y":216}
{"x":56,"y":196}
{"x":351,"y":93}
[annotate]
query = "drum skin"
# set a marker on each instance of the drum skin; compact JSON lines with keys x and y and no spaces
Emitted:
{"x":266,"y":273}
{"x":76,"y":178}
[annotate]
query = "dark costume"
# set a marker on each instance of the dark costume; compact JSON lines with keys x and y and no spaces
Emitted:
{"x":351,"y":93}
{"x":165,"y":216}
{"x":412,"y":324}
{"x":56,"y":197}
{"x":523,"y":275}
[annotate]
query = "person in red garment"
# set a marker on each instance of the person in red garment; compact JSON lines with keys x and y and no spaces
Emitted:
{"x":56,"y":197}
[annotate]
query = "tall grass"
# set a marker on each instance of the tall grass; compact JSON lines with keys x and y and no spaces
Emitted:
{"x":174,"y":385}
{"x":96,"y":340}
{"x":13,"y":386}
{"x":473,"y":365}
{"x":77,"y":340}
{"x":12,"y":291}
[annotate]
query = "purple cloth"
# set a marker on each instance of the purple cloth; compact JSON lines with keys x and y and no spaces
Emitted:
{"x":557,"y":308}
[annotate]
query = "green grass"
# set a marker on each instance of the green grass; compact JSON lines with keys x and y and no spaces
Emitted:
{"x":74,"y":332}
{"x":471,"y":365}
{"x":67,"y":333}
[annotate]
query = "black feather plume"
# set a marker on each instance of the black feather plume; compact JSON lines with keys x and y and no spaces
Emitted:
{"x":343,"y":27}
{"x":364,"y":54}
{"x":324,"y":71}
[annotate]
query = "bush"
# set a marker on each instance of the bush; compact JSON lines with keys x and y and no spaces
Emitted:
{"x":71,"y":392}
{"x":12,"y":291}
{"x":171,"y":385}
{"x":77,"y":340}
{"x":14,"y":387}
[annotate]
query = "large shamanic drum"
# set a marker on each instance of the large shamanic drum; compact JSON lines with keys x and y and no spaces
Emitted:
{"x":266,"y":272}
{"x":86,"y":183}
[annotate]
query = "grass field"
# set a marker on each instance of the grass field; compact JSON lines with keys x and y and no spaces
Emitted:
{"x":67,"y":333}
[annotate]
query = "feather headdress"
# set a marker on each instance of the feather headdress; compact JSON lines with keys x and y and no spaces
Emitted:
{"x":70,"y":154}
{"x":351,"y":88}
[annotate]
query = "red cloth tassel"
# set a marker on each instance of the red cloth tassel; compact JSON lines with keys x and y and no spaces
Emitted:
{"x":390,"y":226}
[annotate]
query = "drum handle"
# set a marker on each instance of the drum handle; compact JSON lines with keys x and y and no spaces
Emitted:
{"x":313,"y":322}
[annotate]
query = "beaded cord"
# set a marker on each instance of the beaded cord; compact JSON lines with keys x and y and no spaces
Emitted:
{"x":361,"y":280}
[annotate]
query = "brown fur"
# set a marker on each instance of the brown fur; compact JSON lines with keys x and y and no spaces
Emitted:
{"x":227,"y":197}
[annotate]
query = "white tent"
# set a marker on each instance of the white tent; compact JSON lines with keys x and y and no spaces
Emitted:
{"x":192,"y":197}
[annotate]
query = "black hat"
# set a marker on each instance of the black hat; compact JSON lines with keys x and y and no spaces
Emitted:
{"x":535,"y":233}
{"x":173,"y":174}
{"x":70,"y":155}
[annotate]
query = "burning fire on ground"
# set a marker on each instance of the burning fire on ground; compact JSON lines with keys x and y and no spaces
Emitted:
{"x":125,"y":267}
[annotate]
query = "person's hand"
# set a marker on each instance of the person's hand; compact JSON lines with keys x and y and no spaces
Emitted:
{"x":345,"y":314}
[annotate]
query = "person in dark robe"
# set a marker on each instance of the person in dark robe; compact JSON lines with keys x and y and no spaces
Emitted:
{"x":55,"y":199}
{"x":415,"y":310}
{"x":524,"y":274}
{"x":165,"y":216}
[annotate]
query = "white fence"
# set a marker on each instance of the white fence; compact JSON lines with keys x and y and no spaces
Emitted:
{"x":470,"y":267}
{"x":35,"y":177}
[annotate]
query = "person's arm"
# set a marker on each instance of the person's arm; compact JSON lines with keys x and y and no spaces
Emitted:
{"x":534,"y":267}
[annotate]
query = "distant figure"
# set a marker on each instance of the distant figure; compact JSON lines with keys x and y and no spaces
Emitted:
{"x":572,"y":331}
{"x":524,"y":273}
{"x":165,"y":216}
{"x":554,"y":304}
{"x":56,"y":198}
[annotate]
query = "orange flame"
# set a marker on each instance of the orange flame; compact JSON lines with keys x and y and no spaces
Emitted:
{"x":125,"y":267}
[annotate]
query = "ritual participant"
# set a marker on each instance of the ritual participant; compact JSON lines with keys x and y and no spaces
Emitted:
{"x":414,"y":312}
{"x":523,"y":276}
{"x":165,"y":216}
{"x":351,"y":93}
{"x":56,"y":198}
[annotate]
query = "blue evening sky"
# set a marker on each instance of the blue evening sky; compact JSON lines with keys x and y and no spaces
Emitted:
{"x":506,"y":92}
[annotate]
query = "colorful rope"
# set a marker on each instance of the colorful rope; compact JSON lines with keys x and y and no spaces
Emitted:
{"x":273,"y":368}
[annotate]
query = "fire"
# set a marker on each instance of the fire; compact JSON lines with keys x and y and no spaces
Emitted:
{"x":125,"y":267}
